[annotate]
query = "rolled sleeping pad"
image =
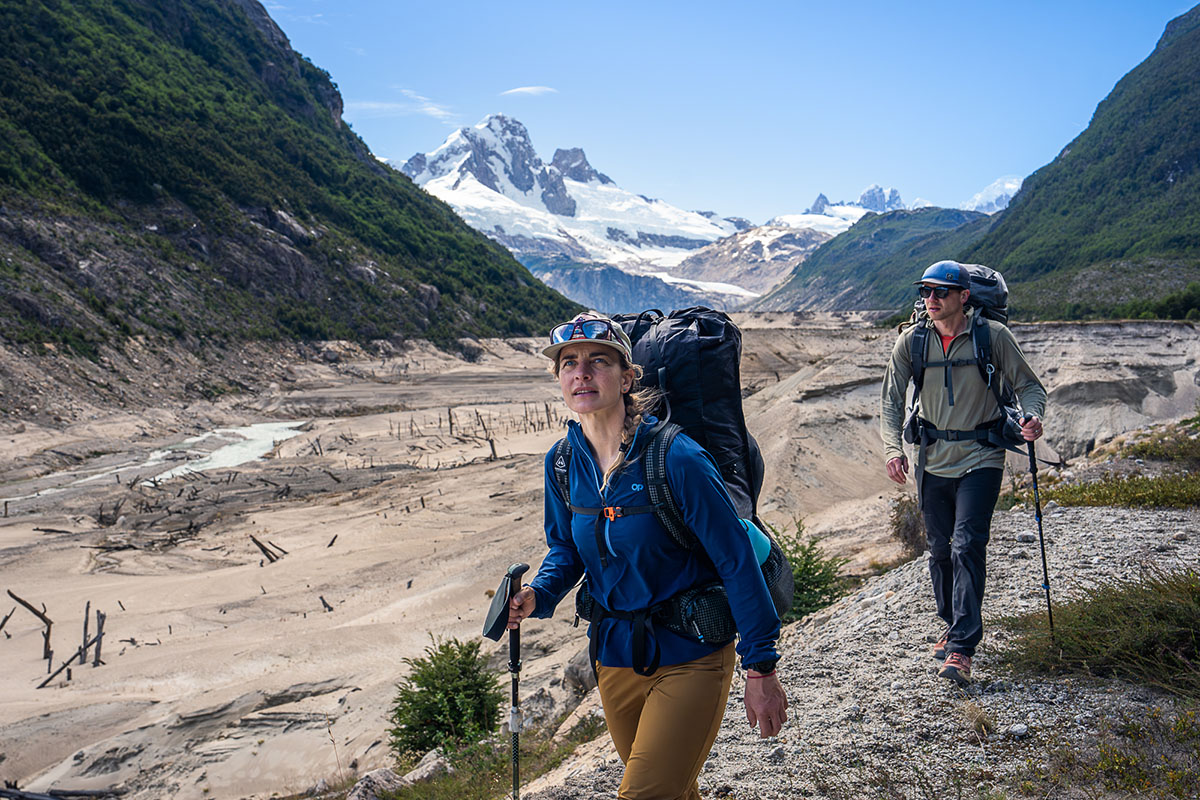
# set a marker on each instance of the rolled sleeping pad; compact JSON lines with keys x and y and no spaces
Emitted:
{"x":758,"y":539}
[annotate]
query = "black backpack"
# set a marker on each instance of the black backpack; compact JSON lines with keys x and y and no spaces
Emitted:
{"x":694,"y":356}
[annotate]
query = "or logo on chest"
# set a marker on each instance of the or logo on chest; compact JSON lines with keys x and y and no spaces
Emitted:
{"x":637,"y":487}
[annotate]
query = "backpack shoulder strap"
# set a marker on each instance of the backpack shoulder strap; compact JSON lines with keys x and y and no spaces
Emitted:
{"x":919,"y":341}
{"x":666,"y":509}
{"x":981,"y":338}
{"x":562,"y":476}
{"x":562,"y":469}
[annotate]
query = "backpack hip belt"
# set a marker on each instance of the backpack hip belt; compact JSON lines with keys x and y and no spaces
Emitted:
{"x":701,"y":612}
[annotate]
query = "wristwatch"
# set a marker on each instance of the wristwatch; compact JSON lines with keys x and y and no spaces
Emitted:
{"x":764,"y":667}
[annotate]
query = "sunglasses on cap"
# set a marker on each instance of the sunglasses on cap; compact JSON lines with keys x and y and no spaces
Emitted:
{"x":600,"y":329}
{"x":940,"y":292}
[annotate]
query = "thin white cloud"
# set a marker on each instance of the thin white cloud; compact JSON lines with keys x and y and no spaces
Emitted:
{"x":533,"y":90}
{"x":427,"y":107}
{"x":415,"y":104}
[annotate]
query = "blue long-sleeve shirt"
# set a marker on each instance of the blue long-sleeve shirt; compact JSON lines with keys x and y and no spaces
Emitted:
{"x":645,"y":565}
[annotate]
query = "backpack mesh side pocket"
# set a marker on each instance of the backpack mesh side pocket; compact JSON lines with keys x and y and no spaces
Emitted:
{"x":702,"y":613}
{"x":585,"y":604}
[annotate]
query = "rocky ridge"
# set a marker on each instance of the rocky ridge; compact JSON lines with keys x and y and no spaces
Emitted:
{"x":756,"y":259}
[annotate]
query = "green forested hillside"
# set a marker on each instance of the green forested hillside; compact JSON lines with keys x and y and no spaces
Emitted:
{"x":873,"y":265}
{"x":1119,"y":207}
{"x":174,"y":168}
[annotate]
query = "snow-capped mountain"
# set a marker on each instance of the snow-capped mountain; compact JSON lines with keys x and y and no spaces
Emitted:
{"x":996,"y":197}
{"x":491,"y":175}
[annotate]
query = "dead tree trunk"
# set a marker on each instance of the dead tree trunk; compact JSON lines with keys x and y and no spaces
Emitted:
{"x":46,"y":653}
{"x":67,"y":663}
{"x":87,"y":613}
{"x":100,"y":617}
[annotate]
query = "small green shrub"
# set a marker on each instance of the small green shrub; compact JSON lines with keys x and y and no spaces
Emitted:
{"x":818,"y":577}
{"x":449,"y":699}
{"x":908,"y":525}
{"x":1173,"y":444}
{"x":1171,"y":490}
{"x":1144,"y":630}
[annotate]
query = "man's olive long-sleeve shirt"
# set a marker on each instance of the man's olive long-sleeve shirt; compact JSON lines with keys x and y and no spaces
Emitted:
{"x":974,"y":402}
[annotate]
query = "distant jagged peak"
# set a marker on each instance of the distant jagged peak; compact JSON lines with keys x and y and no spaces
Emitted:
{"x":819,"y":205}
{"x":880,"y":200}
{"x":573,"y":164}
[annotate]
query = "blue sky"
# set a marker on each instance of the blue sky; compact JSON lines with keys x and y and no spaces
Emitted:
{"x":747,"y":111}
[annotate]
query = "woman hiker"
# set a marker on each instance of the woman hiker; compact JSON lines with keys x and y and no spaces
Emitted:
{"x":663,"y":713}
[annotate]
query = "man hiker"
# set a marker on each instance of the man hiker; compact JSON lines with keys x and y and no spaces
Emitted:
{"x":959,"y":470}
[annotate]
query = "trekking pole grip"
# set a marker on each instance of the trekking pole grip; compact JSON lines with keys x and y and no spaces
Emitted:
{"x":514,"y":574}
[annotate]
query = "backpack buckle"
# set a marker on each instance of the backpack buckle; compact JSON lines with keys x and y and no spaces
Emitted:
{"x":612,"y":512}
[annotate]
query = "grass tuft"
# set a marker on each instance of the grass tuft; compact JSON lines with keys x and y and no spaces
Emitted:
{"x":1144,"y":630}
{"x":1170,"y":490}
{"x":483,"y":771}
{"x":1154,"y":755}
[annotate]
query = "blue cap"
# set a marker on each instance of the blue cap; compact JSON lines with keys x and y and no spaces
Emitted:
{"x":946,"y":273}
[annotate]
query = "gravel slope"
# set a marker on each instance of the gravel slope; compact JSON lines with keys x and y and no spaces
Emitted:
{"x":865,"y":699}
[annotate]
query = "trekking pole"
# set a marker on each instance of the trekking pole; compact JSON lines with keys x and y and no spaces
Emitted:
{"x":1037,"y":514}
{"x":514,"y":666}
{"x":493,"y":628}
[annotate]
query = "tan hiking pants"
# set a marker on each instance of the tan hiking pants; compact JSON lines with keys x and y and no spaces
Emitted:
{"x":664,"y":725}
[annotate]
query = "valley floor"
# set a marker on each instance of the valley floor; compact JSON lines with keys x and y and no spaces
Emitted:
{"x":414,"y":481}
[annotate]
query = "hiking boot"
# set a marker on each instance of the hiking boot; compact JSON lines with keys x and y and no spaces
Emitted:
{"x":957,"y":668}
{"x":939,"y":649}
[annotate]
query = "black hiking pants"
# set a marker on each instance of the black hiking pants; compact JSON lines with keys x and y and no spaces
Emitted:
{"x":958,"y":520}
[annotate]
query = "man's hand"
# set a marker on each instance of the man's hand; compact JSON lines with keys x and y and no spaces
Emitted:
{"x":766,"y":704}
{"x":897,"y":468}
{"x":520,"y":607}
{"x":1031,"y":428}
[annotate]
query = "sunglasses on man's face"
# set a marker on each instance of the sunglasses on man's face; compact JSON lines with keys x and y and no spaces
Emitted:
{"x":600,"y":329}
{"x":940,"y":292}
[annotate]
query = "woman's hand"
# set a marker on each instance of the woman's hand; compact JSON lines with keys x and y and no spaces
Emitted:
{"x":766,"y":704}
{"x":520,"y":607}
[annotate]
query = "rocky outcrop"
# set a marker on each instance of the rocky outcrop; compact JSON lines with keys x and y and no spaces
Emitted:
{"x":644,"y":239}
{"x":554,"y":194}
{"x":376,"y":784}
{"x":573,"y":164}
